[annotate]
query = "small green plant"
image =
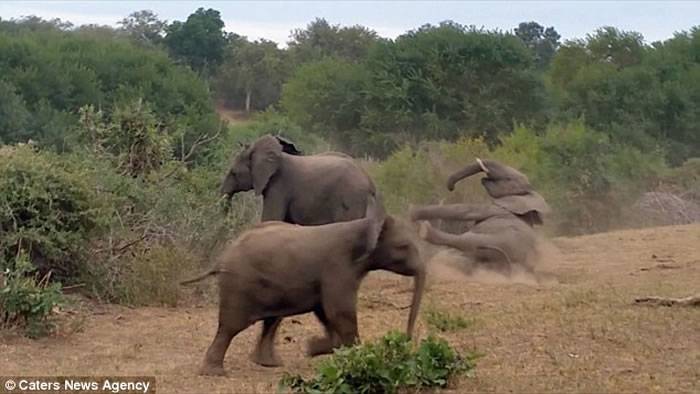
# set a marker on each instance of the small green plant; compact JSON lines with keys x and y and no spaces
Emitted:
{"x":384,"y":366}
{"x":26,"y":300}
{"x":445,"y":321}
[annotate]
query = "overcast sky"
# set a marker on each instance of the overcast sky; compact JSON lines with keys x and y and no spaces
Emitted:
{"x":273,"y":20}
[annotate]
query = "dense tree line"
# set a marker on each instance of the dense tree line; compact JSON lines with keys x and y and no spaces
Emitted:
{"x":47,"y":73}
{"x":367,"y":94}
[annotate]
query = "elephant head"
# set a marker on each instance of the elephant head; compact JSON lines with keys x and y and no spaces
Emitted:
{"x":509,"y":188}
{"x":254,"y":166}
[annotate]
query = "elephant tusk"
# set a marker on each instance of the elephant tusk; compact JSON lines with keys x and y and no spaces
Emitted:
{"x":481,"y":164}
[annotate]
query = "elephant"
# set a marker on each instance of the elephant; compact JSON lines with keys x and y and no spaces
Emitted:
{"x":278,"y":269}
{"x":502,"y":233}
{"x":308,"y":190}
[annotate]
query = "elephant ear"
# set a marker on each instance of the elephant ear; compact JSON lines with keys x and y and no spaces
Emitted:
{"x":288,"y":146}
{"x":264,"y":161}
{"x":378,"y":218}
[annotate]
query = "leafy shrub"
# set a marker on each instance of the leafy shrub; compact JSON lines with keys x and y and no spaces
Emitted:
{"x":133,"y":135}
{"x":385,"y":366}
{"x":585,"y":177}
{"x":445,"y":321}
{"x":47,"y":210}
{"x":27,"y":300}
{"x":52,"y":73}
{"x":157,"y":230}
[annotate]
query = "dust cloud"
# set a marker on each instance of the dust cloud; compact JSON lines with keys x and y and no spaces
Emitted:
{"x":449,"y":265}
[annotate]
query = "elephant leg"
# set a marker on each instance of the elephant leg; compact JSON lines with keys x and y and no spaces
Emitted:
{"x":474,"y":245}
{"x":232,"y":320}
{"x":467,"y":212}
{"x":339,"y":305}
{"x":264,"y":353}
{"x":322,"y":344}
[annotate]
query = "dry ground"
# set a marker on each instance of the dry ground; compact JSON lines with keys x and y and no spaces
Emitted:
{"x":575,"y":331}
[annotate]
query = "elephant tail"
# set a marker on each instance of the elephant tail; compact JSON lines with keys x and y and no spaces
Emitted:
{"x":203,"y":276}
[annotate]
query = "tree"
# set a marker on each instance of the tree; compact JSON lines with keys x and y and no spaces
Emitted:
{"x":200,"y":41}
{"x":48,"y":74}
{"x":446,"y":80}
{"x":326,"y":97}
{"x":252,"y":74}
{"x":320,"y":39}
{"x":144,"y":27}
{"x":14,"y":116}
{"x":640,"y":95}
{"x":621,"y":48}
{"x":542,"y":42}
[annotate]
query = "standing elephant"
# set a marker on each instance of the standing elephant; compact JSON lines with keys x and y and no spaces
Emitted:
{"x":502,"y":233}
{"x":307,"y":190}
{"x":279,"y":269}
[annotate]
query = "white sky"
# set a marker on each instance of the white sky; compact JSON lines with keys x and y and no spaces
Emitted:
{"x":273,"y":20}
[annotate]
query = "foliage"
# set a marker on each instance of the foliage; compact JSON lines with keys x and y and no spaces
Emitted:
{"x":450,"y":80}
{"x":252,"y":74}
{"x":27,"y":300}
{"x":640,"y":95}
{"x":144,"y":27}
{"x":445,"y":321}
{"x":47,"y":210}
{"x":385,"y":366}
{"x":542,"y":42}
{"x":326,"y":97}
{"x":50,"y":74}
{"x":320,"y":39}
{"x":133,"y":136}
{"x":418,"y":175}
{"x":156,"y":229}
{"x":437,"y":82}
{"x":586,"y":177}
{"x":199,"y":41}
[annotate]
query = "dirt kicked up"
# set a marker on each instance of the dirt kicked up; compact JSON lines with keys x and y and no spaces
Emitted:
{"x":573,"y":329}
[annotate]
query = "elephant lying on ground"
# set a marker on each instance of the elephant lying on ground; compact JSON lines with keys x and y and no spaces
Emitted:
{"x":308,"y":190}
{"x":502,"y":233}
{"x":279,"y":269}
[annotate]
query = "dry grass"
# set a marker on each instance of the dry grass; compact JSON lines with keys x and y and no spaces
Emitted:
{"x":574,"y":329}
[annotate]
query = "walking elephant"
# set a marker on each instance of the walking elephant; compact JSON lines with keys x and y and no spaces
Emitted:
{"x":502,"y":233}
{"x":279,"y":269}
{"x":308,"y":190}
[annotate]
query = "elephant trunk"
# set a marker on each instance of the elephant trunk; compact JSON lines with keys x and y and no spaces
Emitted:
{"x":469,"y":170}
{"x":419,"y":286}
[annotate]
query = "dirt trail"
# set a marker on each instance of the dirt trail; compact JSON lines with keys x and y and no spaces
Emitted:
{"x":573,"y":329}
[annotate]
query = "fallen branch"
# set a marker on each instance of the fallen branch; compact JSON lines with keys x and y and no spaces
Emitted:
{"x":664,"y":301}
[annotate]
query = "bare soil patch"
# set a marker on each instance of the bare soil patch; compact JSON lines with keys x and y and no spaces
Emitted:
{"x":572,"y":328}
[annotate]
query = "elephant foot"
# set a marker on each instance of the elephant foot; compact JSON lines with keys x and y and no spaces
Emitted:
{"x":317,"y":346}
{"x":266,"y":359}
{"x":424,"y":231}
{"x":212,"y":370}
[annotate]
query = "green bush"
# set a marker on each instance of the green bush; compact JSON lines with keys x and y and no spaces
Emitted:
{"x":47,"y":210}
{"x":26,"y":300}
{"x":583,"y":175}
{"x":385,"y":366}
{"x":50,"y":74}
